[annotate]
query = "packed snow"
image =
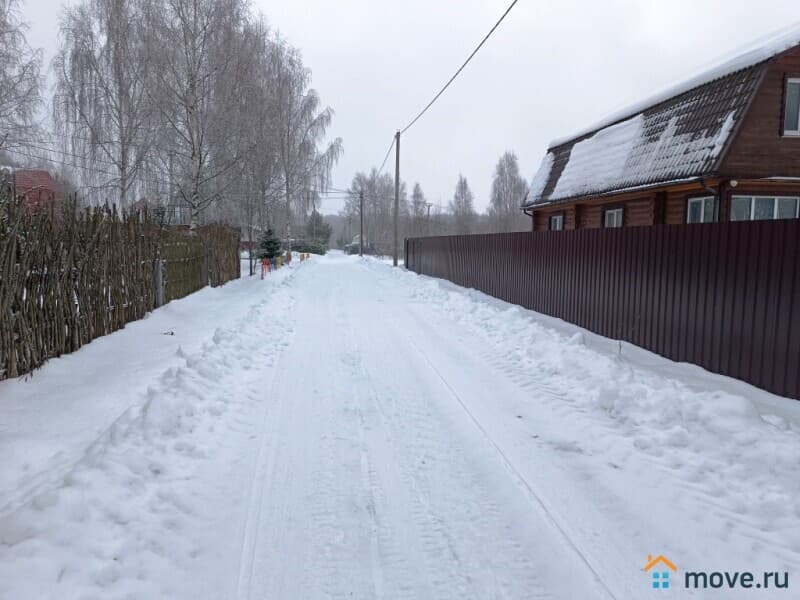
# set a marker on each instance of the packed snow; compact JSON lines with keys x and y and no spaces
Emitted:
{"x":344,"y":429}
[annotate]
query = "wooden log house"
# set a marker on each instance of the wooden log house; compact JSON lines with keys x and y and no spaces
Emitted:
{"x":723,"y":146}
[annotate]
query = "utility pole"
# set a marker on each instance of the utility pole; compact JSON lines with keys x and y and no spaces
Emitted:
{"x":396,"y":192}
{"x":361,"y":217}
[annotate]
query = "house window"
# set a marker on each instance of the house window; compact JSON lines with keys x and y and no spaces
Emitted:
{"x":701,"y":210}
{"x":612,"y":217}
{"x":556,"y":222}
{"x":760,"y":208}
{"x":791,"y":113}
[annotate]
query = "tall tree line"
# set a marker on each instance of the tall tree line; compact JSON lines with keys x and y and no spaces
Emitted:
{"x":421,"y":217}
{"x":193,"y":104}
{"x":378,"y":192}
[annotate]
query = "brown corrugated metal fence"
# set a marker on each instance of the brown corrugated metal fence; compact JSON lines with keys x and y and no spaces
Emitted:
{"x":725,"y":296}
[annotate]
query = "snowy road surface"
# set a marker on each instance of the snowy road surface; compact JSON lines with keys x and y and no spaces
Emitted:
{"x":348,"y":430}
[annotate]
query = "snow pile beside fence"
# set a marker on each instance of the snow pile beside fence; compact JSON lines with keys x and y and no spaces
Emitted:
{"x":718,"y":446}
{"x":123,"y":522}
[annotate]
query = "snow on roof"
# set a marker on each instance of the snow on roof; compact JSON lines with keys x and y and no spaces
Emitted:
{"x":681,"y":133}
{"x":747,"y":56}
{"x":583,"y":173}
{"x":542,"y":175}
{"x":622,"y":156}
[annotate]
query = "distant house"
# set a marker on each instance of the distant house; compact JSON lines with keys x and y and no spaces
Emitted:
{"x":38,"y":188}
{"x":722,"y":146}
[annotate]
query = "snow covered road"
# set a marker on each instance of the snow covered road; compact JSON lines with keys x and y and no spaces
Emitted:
{"x":349,"y":430}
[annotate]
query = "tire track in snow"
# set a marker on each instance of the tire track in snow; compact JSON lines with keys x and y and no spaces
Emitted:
{"x":333,"y":472}
{"x":444,"y":534}
{"x":262,"y":476}
{"x":517,"y":476}
{"x":448,"y":569}
{"x":264,"y":466}
{"x":393,"y":576}
{"x":533,"y":498}
{"x":370,"y":493}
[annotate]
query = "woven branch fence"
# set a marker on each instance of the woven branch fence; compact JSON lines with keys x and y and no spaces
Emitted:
{"x":68,"y":278}
{"x":191,"y":262}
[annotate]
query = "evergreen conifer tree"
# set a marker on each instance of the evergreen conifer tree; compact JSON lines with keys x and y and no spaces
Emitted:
{"x":269,"y":246}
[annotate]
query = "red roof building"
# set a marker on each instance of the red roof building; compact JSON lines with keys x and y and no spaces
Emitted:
{"x":39,"y":188}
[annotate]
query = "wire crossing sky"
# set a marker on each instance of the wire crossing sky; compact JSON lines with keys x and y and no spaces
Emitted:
{"x":461,"y":68}
{"x":446,"y":85}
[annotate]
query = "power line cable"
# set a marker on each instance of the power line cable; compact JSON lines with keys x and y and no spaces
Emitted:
{"x":33,"y":146}
{"x":61,"y":162}
{"x":333,"y":190}
{"x":466,"y":62}
{"x":385,"y":158}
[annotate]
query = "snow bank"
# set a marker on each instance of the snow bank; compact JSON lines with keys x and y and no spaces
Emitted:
{"x":700,"y":450}
{"x":121,"y":519}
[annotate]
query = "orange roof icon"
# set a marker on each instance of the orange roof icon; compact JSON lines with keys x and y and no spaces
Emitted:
{"x":652,"y":562}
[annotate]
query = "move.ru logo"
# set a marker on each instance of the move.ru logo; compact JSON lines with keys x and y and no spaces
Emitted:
{"x":662,"y":576}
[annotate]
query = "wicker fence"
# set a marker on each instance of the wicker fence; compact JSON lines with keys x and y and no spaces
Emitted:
{"x":66,"y":279}
{"x":725,"y":296}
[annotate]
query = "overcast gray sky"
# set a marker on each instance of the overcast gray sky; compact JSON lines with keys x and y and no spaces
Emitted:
{"x":550,"y":69}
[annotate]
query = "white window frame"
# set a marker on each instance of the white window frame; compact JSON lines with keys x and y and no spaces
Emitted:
{"x":790,"y":132}
{"x":559,"y":218}
{"x":702,"y":201}
{"x":614,"y":211}
{"x":774,"y":199}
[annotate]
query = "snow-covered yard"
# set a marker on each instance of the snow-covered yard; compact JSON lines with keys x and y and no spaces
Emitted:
{"x":344,"y":429}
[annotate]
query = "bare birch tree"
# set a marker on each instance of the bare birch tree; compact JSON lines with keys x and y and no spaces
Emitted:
{"x":303,"y":124}
{"x":262,"y":168}
{"x":197,"y":50}
{"x":462,"y":207}
{"x":197,"y":97}
{"x":378,"y":192}
{"x":418,"y":209}
{"x":20,"y":83}
{"x":102,"y":105}
{"x":508,"y":192}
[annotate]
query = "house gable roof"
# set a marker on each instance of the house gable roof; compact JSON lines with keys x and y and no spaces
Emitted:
{"x":681,"y":133}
